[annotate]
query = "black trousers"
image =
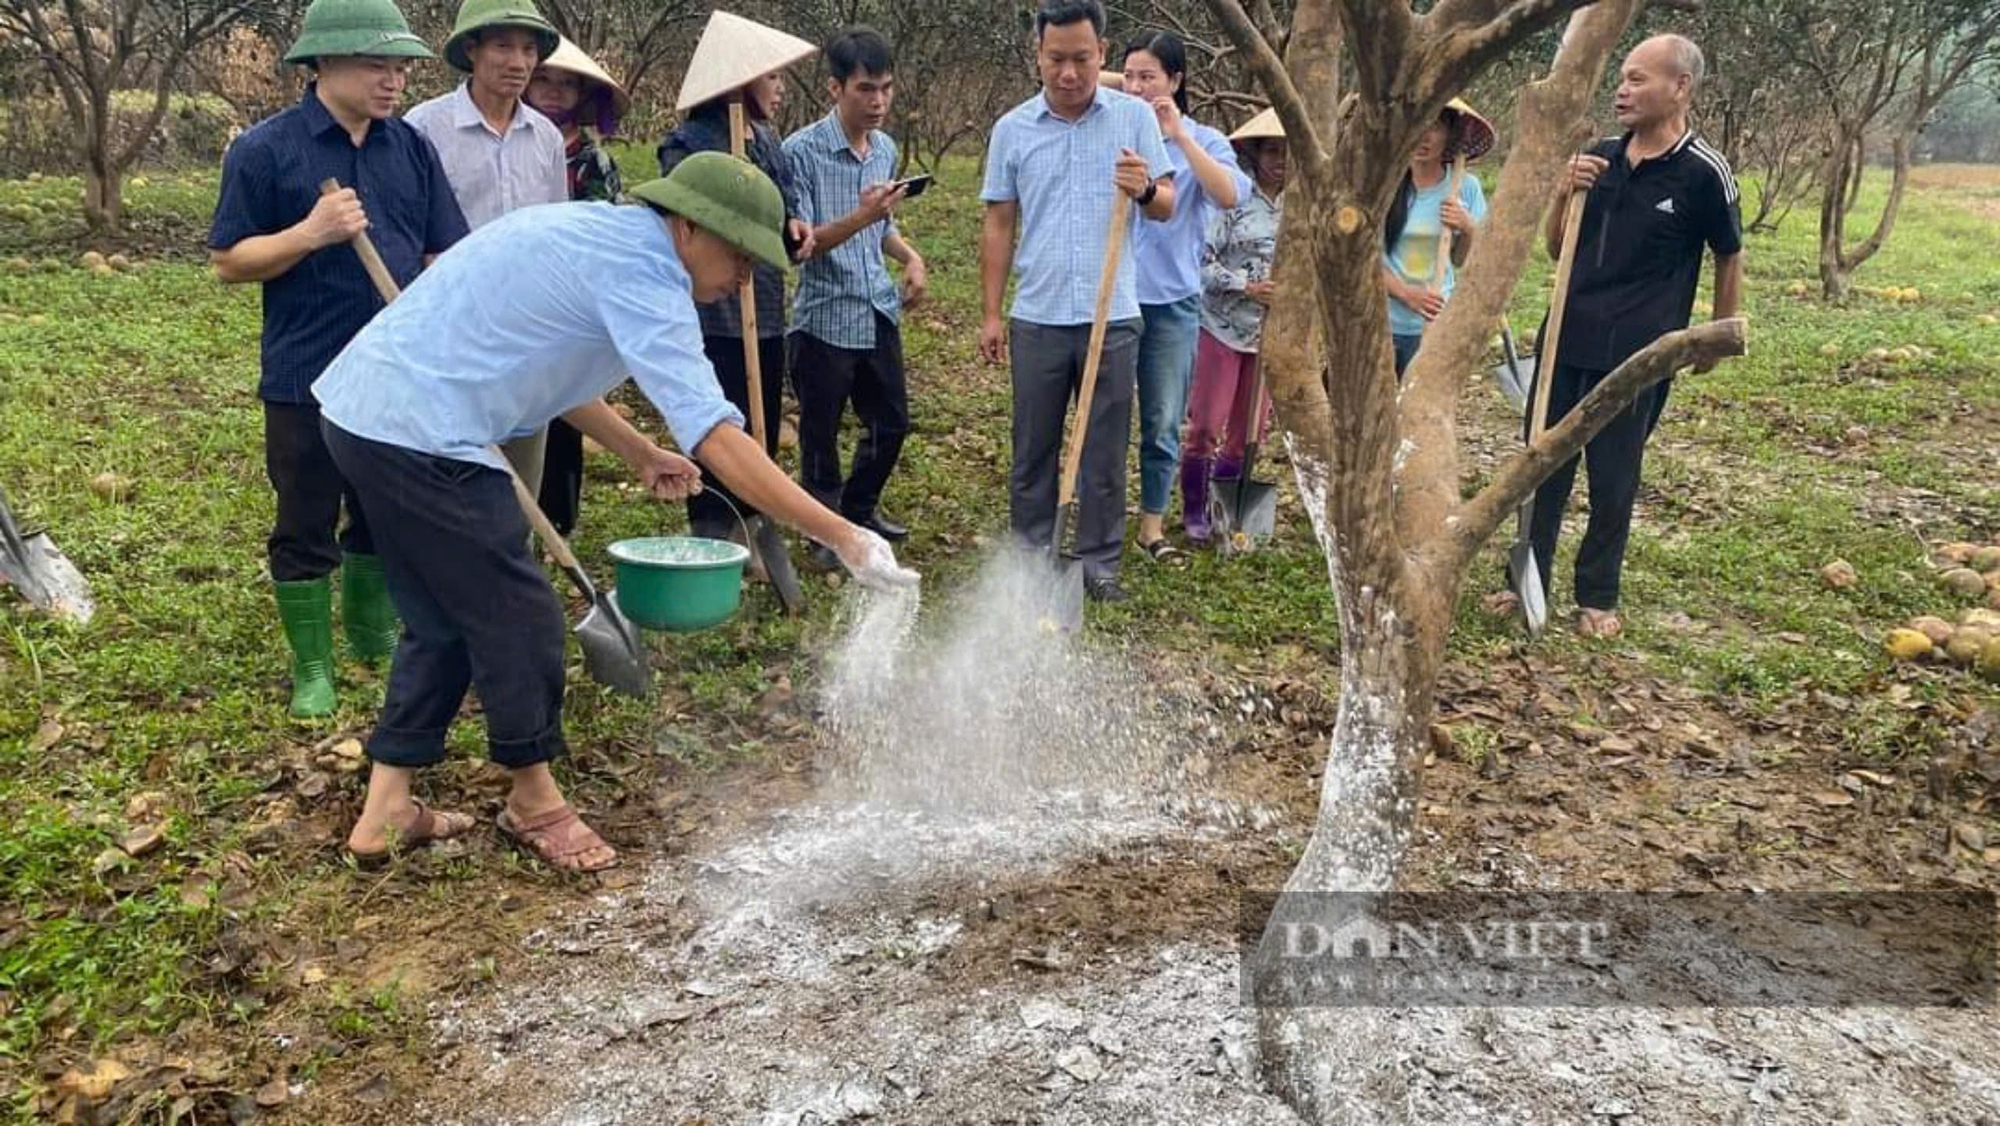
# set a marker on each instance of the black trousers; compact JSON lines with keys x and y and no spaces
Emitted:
{"x":825,"y":377}
{"x":477,"y":608}
{"x":561,"y":496}
{"x":709,"y":514}
{"x":307,"y":540}
{"x":1614,"y":459}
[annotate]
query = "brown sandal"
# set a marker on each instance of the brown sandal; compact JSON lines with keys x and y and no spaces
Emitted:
{"x":1601,"y":625}
{"x":556,"y":838}
{"x":427,"y":828}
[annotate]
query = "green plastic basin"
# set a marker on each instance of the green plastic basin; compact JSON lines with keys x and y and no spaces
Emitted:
{"x":679,"y":583}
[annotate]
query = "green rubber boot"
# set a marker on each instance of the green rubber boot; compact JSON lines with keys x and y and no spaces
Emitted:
{"x":366,"y":613}
{"x":306,"y":608}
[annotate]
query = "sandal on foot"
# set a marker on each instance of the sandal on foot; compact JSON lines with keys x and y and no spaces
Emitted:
{"x":1602,"y":625}
{"x":427,"y":828}
{"x":557,"y":838}
{"x":1501,"y":604}
{"x":1165,"y":554}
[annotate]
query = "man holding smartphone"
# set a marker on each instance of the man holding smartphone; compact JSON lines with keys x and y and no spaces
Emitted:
{"x":846,"y":339}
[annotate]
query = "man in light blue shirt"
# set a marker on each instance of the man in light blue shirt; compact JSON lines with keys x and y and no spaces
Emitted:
{"x":534,"y":315}
{"x":499,"y":152}
{"x":846,"y":337}
{"x":1055,"y":163}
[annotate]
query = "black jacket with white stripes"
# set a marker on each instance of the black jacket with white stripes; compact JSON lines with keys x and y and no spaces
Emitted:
{"x":1640,"y":250}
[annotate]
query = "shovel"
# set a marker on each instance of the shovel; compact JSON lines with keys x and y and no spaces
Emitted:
{"x":42,"y":573}
{"x":1521,"y":566}
{"x":1066,"y":600}
{"x":1241,"y":504}
{"x":765,"y":538}
{"x":1514,"y":371}
{"x":612,"y":652}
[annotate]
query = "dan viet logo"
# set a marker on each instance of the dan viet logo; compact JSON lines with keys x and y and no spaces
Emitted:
{"x":1366,"y":937}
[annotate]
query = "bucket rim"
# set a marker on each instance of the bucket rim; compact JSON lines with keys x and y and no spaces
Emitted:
{"x":731,"y":554}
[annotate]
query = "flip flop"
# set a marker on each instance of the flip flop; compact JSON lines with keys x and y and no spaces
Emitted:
{"x":428,"y":828}
{"x":556,"y":838}
{"x":1165,"y":554}
{"x":1601,"y":625}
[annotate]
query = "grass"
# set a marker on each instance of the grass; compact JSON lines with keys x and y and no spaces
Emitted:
{"x":177,"y":688}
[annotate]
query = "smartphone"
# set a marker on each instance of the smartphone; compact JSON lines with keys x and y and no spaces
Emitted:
{"x":915,"y":184}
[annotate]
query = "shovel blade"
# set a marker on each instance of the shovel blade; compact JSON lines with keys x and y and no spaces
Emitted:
{"x":1527,"y":578}
{"x":612,"y":652}
{"x":1248,"y":507}
{"x":43,"y":574}
{"x":777,"y":559}
{"x":1512,"y":378}
{"x":1065,"y":605}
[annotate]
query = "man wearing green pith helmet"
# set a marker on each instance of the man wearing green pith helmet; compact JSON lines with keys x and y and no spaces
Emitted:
{"x":273,"y":226}
{"x":594,"y":292}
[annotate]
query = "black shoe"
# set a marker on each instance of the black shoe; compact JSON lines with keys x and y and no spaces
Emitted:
{"x":1105,"y":590}
{"x":822,"y":559}
{"x":884,"y":527}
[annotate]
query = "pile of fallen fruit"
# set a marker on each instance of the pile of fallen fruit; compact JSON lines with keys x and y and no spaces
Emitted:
{"x":1972,"y":573}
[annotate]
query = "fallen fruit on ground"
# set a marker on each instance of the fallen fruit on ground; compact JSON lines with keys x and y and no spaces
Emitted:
{"x":112,"y":486}
{"x":1937,"y":629}
{"x":1966,"y":644}
{"x":1989,"y":660}
{"x":1985,"y":559}
{"x":1954,"y":554}
{"x":1981,"y":618}
{"x":1908,"y":644}
{"x":90,"y":260}
{"x":1838,"y":575}
{"x":1965,"y":581}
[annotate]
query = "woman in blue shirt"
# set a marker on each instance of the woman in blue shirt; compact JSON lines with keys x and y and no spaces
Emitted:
{"x":1426,"y":206}
{"x":1168,"y":259}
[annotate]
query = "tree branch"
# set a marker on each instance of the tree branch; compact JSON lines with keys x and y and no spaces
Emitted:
{"x":1523,"y":473}
{"x":1471,"y":50}
{"x":1307,"y":146}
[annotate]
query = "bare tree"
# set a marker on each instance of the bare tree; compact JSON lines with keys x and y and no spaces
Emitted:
{"x":1879,"y":64}
{"x":91,"y":48}
{"x":636,"y":38}
{"x":1378,"y":465}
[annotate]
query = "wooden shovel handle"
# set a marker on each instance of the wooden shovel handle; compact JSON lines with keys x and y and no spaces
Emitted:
{"x":1114,"y":244}
{"x":746,"y":297}
{"x":1443,"y":261}
{"x":364,"y":247}
{"x":1545,"y":367}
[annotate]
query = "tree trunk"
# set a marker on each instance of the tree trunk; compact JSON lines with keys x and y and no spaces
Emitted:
{"x":103,"y":197}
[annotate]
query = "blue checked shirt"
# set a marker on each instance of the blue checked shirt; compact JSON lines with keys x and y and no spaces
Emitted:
{"x":1060,"y":173}
{"x":490,"y":173}
{"x":270,"y":180}
{"x":534,"y":314}
{"x":841,"y":291}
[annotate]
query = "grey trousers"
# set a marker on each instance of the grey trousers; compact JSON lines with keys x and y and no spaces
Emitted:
{"x":1048,"y":371}
{"x":526,"y":456}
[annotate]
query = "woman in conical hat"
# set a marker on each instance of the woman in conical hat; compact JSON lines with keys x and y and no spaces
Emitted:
{"x":1236,"y":293}
{"x":1437,"y":196}
{"x":739,"y":59}
{"x":570,"y":89}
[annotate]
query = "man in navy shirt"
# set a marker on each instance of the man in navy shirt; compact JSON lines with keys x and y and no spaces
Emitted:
{"x":1655,"y":200}
{"x":273,"y":226}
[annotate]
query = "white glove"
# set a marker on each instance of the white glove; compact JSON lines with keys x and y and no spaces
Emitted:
{"x":872,"y":562}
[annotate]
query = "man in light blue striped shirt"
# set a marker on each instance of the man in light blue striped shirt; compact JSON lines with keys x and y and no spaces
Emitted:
{"x":846,"y":339}
{"x":1055,"y":162}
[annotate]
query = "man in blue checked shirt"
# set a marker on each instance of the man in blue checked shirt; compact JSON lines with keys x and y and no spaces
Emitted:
{"x":1054,"y":162}
{"x":846,"y":339}
{"x":272,"y":226}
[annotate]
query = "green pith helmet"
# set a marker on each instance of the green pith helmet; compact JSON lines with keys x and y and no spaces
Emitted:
{"x":478,"y":15}
{"x":727,"y":197}
{"x":355,"y":27}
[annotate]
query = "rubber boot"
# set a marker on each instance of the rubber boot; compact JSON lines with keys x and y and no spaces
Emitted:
{"x":366,"y":613}
{"x":1194,"y":498}
{"x":306,"y":608}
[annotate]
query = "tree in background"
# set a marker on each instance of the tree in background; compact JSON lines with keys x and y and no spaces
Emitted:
{"x":1879,"y":65}
{"x":91,"y":48}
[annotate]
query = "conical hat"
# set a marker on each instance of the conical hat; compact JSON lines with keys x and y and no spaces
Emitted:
{"x":570,"y":57}
{"x":1475,"y":133}
{"x":1263,"y":125}
{"x":733,"y":53}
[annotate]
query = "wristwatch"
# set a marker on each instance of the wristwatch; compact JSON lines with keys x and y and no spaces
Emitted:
{"x":1147,"y":196}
